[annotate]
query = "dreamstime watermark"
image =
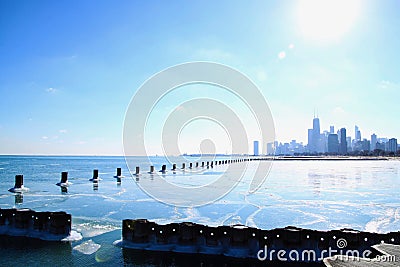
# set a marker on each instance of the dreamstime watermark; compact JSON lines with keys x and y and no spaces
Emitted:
{"x":161,"y":86}
{"x":312,"y":255}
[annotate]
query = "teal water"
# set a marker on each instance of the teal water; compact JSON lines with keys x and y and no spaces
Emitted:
{"x":320,"y":195}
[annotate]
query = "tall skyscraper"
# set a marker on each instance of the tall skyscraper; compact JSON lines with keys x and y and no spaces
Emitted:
{"x":331,"y":129}
{"x":256,"y":153}
{"x":333,"y":143}
{"x":343,"y":141}
{"x":316,"y":127}
{"x":357,"y":133}
{"x":373,"y":142}
{"x":392,"y":145}
{"x":314,"y":137}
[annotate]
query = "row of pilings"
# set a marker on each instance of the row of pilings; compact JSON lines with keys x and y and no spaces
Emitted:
{"x":247,"y":242}
{"x":29,"y":223}
{"x":20,"y":188}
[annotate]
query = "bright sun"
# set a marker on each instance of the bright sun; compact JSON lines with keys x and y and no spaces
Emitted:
{"x":326,"y":20}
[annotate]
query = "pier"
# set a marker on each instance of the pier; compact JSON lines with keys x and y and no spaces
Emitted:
{"x":239,"y":241}
{"x":54,"y":226}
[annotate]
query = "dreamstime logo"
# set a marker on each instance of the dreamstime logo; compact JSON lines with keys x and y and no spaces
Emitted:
{"x":312,"y":255}
{"x":142,"y":112}
{"x":341,"y":243}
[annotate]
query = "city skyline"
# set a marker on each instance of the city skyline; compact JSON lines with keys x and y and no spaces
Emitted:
{"x":333,"y":142}
{"x":70,"y":69}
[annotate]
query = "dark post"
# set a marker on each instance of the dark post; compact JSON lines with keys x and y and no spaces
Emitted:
{"x":137,"y":170}
{"x":151,"y":169}
{"x":190,"y":165}
{"x":163,"y":168}
{"x":197,"y":164}
{"x":95,"y":174}
{"x":183,"y":166}
{"x":64,"y":177}
{"x":19,"y":181}
{"x":119,"y":172}
{"x":174,"y":167}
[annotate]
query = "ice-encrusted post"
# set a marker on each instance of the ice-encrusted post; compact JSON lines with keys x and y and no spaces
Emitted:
{"x":151,"y":169}
{"x":163,"y":169}
{"x":95,"y":177}
{"x":19,"y":184}
{"x":64,"y":177}
{"x":19,"y":181}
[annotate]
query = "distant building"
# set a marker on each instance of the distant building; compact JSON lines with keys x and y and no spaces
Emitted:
{"x":365,"y":145}
{"x":333,"y":143}
{"x":357,"y":145}
{"x":357,"y":133}
{"x":315,"y":144}
{"x":373,"y":142}
{"x":332,"y":129}
{"x":323,"y":143}
{"x":349,"y":148}
{"x":392,"y":145}
{"x":270,"y":149}
{"x":256,"y":153}
{"x":343,"y":142}
{"x":310,"y":140}
{"x":382,"y":140}
{"x":380,"y":146}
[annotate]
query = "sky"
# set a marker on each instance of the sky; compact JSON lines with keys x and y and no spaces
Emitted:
{"x":69,"y":69}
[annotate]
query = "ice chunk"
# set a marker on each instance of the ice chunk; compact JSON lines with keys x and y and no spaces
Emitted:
{"x":88,"y":247}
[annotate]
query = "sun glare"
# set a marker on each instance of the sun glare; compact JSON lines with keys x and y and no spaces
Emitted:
{"x":326,"y":20}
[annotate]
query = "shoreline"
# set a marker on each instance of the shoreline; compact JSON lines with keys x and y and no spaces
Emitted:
{"x":336,"y":158}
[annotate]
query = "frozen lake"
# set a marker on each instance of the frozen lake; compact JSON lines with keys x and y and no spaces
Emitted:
{"x":319,"y":195}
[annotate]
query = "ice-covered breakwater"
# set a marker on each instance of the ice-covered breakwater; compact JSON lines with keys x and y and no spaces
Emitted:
{"x":54,"y":226}
{"x":245,"y":242}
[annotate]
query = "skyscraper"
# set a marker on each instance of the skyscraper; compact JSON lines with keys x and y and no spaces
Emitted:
{"x":392,"y":145}
{"x":343,"y":141}
{"x":348,"y":139}
{"x":331,"y":129}
{"x":316,"y":128}
{"x":333,"y":143}
{"x":256,"y":153}
{"x":314,"y":137}
{"x":357,"y":133}
{"x":373,"y":142}
{"x":310,"y":140}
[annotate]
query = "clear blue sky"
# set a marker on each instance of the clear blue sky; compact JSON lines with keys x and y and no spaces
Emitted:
{"x":68,"y":69}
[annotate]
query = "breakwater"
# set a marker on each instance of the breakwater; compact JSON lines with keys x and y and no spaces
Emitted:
{"x":52,"y":226}
{"x":240,"y":241}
